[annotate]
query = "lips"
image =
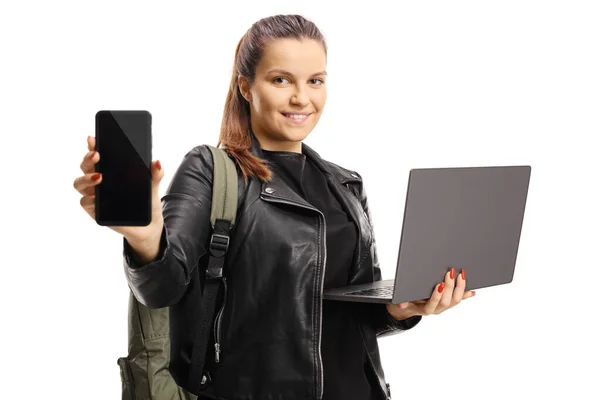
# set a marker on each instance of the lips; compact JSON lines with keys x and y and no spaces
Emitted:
{"x":288,"y":114}
{"x":296,"y":121}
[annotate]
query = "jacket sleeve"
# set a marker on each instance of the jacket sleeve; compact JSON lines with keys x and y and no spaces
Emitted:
{"x":384,"y":323}
{"x":186,"y":208}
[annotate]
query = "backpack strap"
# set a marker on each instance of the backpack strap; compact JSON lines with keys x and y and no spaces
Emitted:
{"x":225,"y":187}
{"x":222,"y":219}
{"x":223,"y":210}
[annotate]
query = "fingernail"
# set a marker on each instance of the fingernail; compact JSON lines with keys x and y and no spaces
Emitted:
{"x":158,"y":165}
{"x":452,"y":273}
{"x":96,"y":176}
{"x":473,"y":292}
{"x":92,"y":155}
{"x":464,"y":274}
{"x":399,"y":305}
{"x":441,"y":287}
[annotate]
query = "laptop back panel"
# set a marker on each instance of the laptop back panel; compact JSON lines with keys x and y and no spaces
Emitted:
{"x":467,"y":218}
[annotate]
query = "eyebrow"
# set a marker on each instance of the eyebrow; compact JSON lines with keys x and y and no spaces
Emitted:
{"x":282,"y":71}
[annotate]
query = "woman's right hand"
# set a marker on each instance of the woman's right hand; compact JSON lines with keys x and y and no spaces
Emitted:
{"x":86,"y":184}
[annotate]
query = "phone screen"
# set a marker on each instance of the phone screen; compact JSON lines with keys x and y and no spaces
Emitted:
{"x":124,"y":141}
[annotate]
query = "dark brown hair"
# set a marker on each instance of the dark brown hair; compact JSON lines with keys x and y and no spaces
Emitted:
{"x":235,"y":127}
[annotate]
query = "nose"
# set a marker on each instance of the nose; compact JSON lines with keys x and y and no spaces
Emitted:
{"x":300,"y":98}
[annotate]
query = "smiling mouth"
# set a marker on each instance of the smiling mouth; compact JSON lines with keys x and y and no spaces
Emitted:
{"x":297,"y":118}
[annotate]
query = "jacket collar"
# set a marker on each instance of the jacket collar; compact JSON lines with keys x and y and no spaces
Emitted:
{"x":276,"y":187}
{"x":342,"y":175}
{"x":278,"y":190}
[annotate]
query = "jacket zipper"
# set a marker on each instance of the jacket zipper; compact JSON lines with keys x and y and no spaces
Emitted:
{"x":217,"y":332}
{"x":387,"y":392}
{"x":276,"y":199}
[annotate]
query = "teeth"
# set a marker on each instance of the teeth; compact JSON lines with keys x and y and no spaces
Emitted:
{"x":296,"y":116}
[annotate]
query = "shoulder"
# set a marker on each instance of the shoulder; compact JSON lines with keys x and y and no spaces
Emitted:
{"x":199,"y":161}
{"x":349,"y":178}
{"x":196,"y":165}
{"x":345,"y":175}
{"x":199,"y":155}
{"x":200,"y":151}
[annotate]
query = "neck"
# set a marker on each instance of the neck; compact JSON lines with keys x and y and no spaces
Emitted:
{"x":267,"y":143}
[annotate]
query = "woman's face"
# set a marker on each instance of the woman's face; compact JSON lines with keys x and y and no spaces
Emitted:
{"x":290,"y":79}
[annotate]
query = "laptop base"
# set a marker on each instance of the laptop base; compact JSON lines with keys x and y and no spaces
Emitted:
{"x":347,"y":293}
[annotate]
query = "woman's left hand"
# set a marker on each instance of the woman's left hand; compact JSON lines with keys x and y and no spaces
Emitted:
{"x":445,"y":295}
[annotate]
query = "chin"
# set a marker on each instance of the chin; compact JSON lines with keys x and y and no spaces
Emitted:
{"x":292,"y":133}
{"x":296,"y":136}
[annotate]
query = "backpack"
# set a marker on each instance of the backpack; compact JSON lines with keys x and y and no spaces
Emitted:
{"x":145,"y":371}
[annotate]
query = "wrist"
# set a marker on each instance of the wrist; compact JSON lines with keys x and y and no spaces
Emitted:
{"x":152,"y":233}
{"x":400,"y":315}
{"x":408,"y":322}
{"x":145,"y":249}
{"x":403,"y":317}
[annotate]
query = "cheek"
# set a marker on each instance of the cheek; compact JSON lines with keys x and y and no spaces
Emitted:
{"x":256,"y":103}
{"x":261,"y":100}
{"x":320,"y":100}
{"x":271,"y":102}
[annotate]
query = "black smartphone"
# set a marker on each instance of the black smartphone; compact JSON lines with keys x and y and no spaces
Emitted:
{"x":124,"y":141}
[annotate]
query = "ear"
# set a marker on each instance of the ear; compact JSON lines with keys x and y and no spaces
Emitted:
{"x":244,"y":87}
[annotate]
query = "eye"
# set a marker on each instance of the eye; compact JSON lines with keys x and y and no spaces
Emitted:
{"x":285,"y":79}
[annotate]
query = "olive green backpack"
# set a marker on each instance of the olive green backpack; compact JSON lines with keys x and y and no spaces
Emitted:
{"x":145,"y":371}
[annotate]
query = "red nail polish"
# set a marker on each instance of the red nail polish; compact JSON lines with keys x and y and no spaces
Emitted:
{"x":158,"y":165}
{"x":452,"y":273}
{"x":96,"y":176}
{"x":464,"y":274}
{"x":441,"y":287}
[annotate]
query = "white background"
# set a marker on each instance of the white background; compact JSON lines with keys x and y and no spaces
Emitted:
{"x":411,"y":84}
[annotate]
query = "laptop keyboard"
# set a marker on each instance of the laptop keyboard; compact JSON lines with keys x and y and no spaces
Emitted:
{"x":386,"y":291}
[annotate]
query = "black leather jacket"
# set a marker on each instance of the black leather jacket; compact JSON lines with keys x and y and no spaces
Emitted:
{"x":269,"y":324}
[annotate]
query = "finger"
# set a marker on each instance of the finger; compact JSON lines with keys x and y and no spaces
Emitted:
{"x":88,"y":203}
{"x":89,"y":161}
{"x":157,"y":172}
{"x":435,"y":298}
{"x":91,"y":141}
{"x":449,"y":283}
{"x":461,"y":283}
{"x":468,"y":294}
{"x":85,"y":184}
{"x":89,"y":191}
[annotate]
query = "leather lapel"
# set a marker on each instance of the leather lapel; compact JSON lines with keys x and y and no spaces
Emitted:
{"x":337,"y":179}
{"x":277,"y":186}
{"x":351,"y":205}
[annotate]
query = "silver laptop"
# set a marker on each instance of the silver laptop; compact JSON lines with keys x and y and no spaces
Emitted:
{"x":467,"y":218}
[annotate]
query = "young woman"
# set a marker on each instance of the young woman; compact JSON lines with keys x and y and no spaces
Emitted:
{"x":303,"y":226}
